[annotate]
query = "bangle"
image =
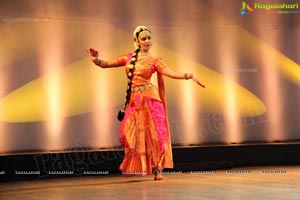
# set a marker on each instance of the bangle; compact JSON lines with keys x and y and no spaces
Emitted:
{"x":185,"y":76}
{"x":98,"y":62}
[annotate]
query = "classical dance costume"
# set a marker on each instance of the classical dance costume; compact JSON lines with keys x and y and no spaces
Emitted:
{"x":145,"y":134}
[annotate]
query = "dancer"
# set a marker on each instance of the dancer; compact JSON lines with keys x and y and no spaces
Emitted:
{"x":145,"y":133}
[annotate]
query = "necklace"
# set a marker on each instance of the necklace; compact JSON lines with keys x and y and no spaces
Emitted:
{"x":144,"y":54}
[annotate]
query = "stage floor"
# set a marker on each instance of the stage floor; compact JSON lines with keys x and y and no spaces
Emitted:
{"x":255,"y":183}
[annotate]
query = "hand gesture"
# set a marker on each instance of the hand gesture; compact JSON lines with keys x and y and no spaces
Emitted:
{"x":93,"y":54}
{"x":196,"y":80}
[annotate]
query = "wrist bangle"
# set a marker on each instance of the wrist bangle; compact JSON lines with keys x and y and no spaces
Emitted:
{"x":98,"y":61}
{"x":185,"y":76}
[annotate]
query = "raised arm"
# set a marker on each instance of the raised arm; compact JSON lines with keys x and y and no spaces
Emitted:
{"x":93,"y":54}
{"x":179,"y":75}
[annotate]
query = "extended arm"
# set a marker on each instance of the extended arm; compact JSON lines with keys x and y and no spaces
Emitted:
{"x":179,"y":75}
{"x":107,"y":64}
{"x":93,"y":54}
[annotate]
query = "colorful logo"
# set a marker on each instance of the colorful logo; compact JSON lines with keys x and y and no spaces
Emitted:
{"x":246,"y":8}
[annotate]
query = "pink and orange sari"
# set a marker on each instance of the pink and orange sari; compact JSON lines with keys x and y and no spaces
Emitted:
{"x":145,"y":134}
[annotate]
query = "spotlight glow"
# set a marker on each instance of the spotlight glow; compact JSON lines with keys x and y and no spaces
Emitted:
{"x":102,"y":124}
{"x":228,"y":59}
{"x":272,"y":90}
{"x":189,"y":104}
{"x":50,"y":60}
{"x":274,"y":65}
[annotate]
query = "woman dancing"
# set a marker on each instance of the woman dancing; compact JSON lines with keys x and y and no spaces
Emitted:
{"x":144,"y":134}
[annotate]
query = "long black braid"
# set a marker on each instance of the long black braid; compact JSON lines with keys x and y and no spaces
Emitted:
{"x":121,"y":114}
